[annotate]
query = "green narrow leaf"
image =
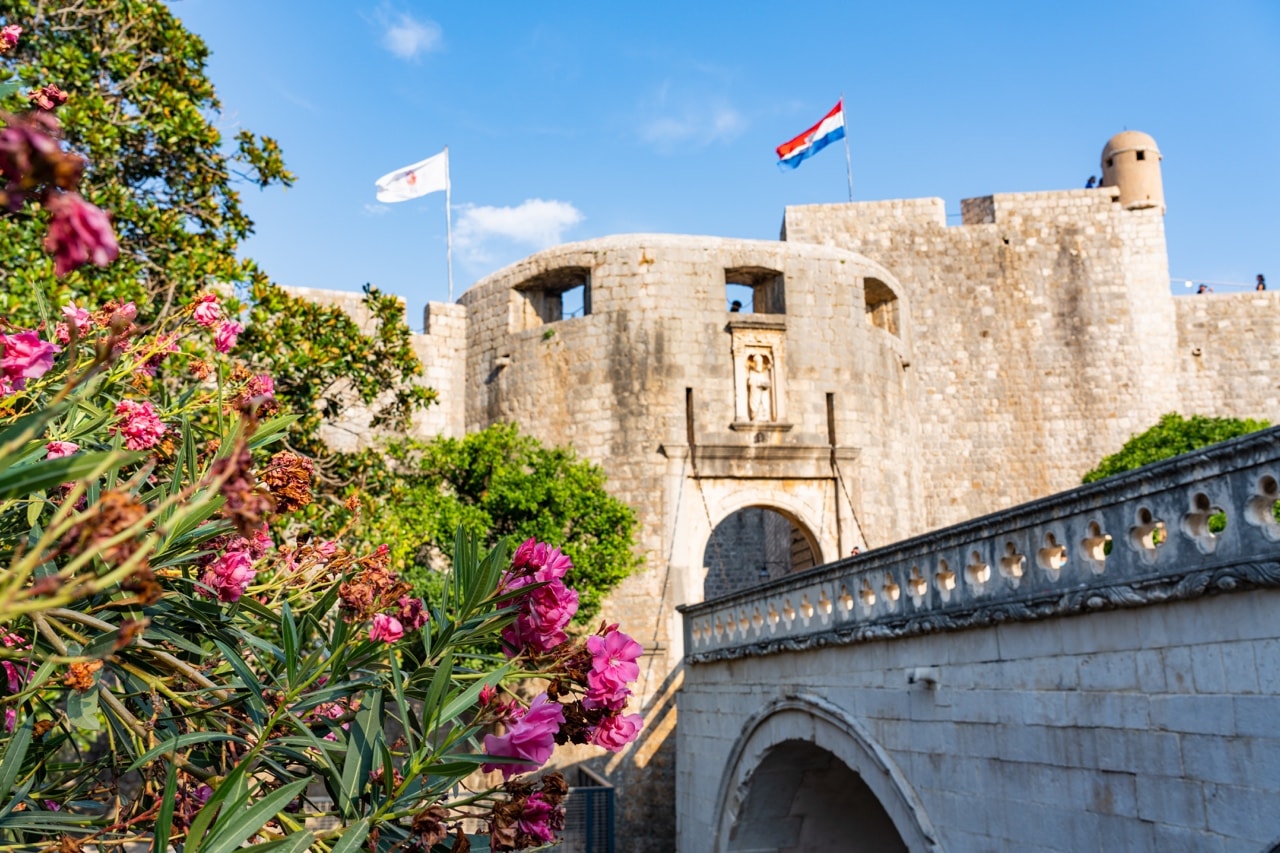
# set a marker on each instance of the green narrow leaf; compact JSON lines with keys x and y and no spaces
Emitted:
{"x":164,"y":819}
{"x":233,"y":788}
{"x":362,"y":741}
{"x":352,"y":838}
{"x":24,"y":480}
{"x":469,"y":696}
{"x":14,"y":753}
{"x":175,"y":743}
{"x":293,"y":844}
{"x":440,"y":680}
{"x":82,"y":709}
{"x":289,"y":635}
{"x":252,"y":687}
{"x":234,"y":827}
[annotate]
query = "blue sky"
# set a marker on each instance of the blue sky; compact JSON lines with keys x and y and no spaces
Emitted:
{"x":569,"y":120}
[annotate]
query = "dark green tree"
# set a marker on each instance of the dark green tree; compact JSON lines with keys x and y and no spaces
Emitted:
{"x":1171,"y":436}
{"x":500,"y":483}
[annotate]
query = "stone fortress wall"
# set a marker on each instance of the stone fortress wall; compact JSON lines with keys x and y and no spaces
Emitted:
{"x":897,"y":375}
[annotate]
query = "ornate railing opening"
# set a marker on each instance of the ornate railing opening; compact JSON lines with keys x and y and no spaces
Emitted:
{"x":1194,"y":525}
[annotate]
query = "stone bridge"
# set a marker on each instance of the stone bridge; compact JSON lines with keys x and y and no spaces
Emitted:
{"x":1098,"y":670}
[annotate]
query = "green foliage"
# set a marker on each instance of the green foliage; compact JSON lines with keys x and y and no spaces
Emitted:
{"x":1172,"y":436}
{"x":501,"y":484}
{"x":142,"y":110}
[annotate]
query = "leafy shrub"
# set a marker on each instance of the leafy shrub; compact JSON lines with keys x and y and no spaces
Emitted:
{"x":1171,"y":436}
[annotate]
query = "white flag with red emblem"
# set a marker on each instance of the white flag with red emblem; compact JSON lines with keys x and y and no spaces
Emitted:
{"x":427,"y":176}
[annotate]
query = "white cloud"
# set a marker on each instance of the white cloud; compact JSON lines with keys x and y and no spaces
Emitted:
{"x":374,"y":209}
{"x":407,"y":37}
{"x":535,"y":224}
{"x":697,"y":120}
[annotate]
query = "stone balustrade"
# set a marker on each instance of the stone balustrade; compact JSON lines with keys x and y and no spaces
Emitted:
{"x":1144,"y":537}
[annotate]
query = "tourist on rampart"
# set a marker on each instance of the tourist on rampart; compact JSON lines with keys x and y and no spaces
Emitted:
{"x":1262,"y":283}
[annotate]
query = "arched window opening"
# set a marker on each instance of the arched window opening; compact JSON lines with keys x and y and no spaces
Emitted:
{"x":756,"y":290}
{"x":555,"y":295}
{"x":882,"y":305}
{"x":753,"y":545}
{"x":802,"y":797}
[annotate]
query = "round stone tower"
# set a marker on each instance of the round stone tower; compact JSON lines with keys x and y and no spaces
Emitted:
{"x":1131,"y":162}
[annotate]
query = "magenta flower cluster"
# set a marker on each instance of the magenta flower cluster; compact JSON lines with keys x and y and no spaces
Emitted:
{"x":389,"y":627}
{"x":604,"y":667}
{"x":24,"y":356}
{"x":139,"y":424}
{"x":547,"y":609}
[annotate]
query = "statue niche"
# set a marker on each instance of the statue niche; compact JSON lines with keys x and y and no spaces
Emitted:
{"x":758,"y":354}
{"x":760,"y":388}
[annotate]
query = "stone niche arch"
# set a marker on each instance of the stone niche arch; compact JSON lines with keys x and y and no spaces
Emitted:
{"x":754,"y":544}
{"x":804,"y":775}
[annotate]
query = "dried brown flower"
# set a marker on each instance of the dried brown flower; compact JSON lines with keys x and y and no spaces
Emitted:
{"x":42,"y":727}
{"x":114,"y":513}
{"x":79,"y":675}
{"x":142,"y":582}
{"x":288,"y":476}
{"x":246,"y":507}
{"x":428,"y":825}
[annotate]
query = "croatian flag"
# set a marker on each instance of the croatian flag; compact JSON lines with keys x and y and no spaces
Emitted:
{"x":814,"y":139}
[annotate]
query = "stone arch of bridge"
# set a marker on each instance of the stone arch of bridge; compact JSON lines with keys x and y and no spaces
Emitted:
{"x":811,"y":726}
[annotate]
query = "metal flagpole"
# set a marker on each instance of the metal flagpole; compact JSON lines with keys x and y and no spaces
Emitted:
{"x":848,"y":158}
{"x":448,"y":216}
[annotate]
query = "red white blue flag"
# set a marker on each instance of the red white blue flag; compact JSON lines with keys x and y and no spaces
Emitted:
{"x":813,"y":140}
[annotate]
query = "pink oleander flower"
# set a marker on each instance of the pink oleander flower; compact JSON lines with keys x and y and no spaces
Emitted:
{"x":544,"y":614}
{"x":25,"y":356}
{"x":615,"y":732}
{"x":327,"y":549}
{"x":9,"y":36}
{"x":539,"y":818}
{"x":225,"y":338}
{"x":541,"y":560}
{"x":79,"y":233}
{"x":59,"y":449}
{"x":613,"y":668}
{"x":228,"y":576}
{"x":530,"y":737}
{"x":208,"y":310}
{"x":125,"y":313}
{"x":385,"y":628}
{"x":139,"y":424}
{"x":74,"y":318}
{"x":412,"y":614}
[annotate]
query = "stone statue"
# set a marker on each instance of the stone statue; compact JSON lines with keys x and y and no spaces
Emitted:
{"x":759,"y":387}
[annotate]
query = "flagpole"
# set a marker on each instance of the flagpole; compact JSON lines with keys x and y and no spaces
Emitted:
{"x":848,"y":158}
{"x":448,"y":217}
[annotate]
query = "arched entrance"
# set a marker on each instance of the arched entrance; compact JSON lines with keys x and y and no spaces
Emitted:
{"x":755,"y":544}
{"x":802,"y":797}
{"x":813,"y":773}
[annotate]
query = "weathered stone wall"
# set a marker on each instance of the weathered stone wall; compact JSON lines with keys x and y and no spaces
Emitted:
{"x":1229,"y":354}
{"x":1142,"y":731}
{"x":1043,"y":334}
{"x":614,"y":385}
{"x":442,"y":350}
{"x":1012,"y":683}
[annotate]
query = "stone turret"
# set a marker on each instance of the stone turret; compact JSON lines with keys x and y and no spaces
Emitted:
{"x":1131,"y":162}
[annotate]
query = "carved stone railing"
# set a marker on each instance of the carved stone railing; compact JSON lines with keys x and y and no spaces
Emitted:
{"x":1141,"y":538}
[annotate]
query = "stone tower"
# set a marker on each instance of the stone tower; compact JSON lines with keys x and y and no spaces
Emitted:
{"x":1131,"y":163}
